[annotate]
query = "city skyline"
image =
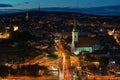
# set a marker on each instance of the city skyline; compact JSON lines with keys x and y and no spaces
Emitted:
{"x":28,"y":4}
{"x":59,"y":40}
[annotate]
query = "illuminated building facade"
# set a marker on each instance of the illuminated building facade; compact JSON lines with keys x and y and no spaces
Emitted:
{"x":83,"y":43}
{"x":4,"y":35}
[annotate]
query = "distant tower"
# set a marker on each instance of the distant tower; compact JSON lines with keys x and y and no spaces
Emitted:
{"x":39,"y":8}
{"x":74,"y":37}
{"x":27,"y":16}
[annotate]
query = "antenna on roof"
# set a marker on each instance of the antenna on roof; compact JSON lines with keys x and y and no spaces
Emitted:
{"x":39,"y":7}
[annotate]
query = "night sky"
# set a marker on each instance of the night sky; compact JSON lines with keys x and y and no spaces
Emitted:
{"x":28,"y":4}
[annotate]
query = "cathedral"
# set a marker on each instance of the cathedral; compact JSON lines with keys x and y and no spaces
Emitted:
{"x":83,"y":43}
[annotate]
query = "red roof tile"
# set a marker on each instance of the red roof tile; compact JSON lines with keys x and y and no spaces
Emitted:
{"x":85,"y":42}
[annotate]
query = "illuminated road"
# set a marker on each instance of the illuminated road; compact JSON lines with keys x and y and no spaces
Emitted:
{"x":64,"y":62}
{"x":98,"y":77}
{"x":28,"y":78}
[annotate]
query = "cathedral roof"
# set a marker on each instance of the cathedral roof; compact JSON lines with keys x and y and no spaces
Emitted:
{"x":84,"y":41}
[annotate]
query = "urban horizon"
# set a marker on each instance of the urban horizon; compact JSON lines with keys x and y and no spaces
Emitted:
{"x":60,"y":43}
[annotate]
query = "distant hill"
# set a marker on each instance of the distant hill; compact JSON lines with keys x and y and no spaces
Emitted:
{"x":104,"y":11}
{"x":9,"y":11}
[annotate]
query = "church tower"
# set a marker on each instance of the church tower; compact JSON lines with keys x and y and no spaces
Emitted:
{"x":27,"y":16}
{"x":74,"y":37}
{"x":39,"y":8}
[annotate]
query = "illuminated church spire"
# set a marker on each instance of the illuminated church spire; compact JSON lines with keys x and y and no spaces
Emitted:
{"x":74,"y":33}
{"x":27,"y":16}
{"x":74,"y":37}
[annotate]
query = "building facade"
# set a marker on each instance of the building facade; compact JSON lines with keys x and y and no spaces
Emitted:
{"x":83,"y":43}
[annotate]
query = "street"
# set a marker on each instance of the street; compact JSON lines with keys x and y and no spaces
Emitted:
{"x":28,"y":78}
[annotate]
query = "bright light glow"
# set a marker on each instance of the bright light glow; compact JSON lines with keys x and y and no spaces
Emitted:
{"x":16,"y":28}
{"x":55,"y":53}
{"x":111,"y":32}
{"x":113,"y":62}
{"x":4,"y":35}
{"x":7,"y":27}
{"x":53,"y":68}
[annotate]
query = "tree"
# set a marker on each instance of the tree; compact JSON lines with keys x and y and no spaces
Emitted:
{"x":103,"y":64}
{"x":4,"y":71}
{"x":104,"y":61}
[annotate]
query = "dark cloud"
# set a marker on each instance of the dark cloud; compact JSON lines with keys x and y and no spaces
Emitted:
{"x":6,"y":5}
{"x":26,"y":2}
